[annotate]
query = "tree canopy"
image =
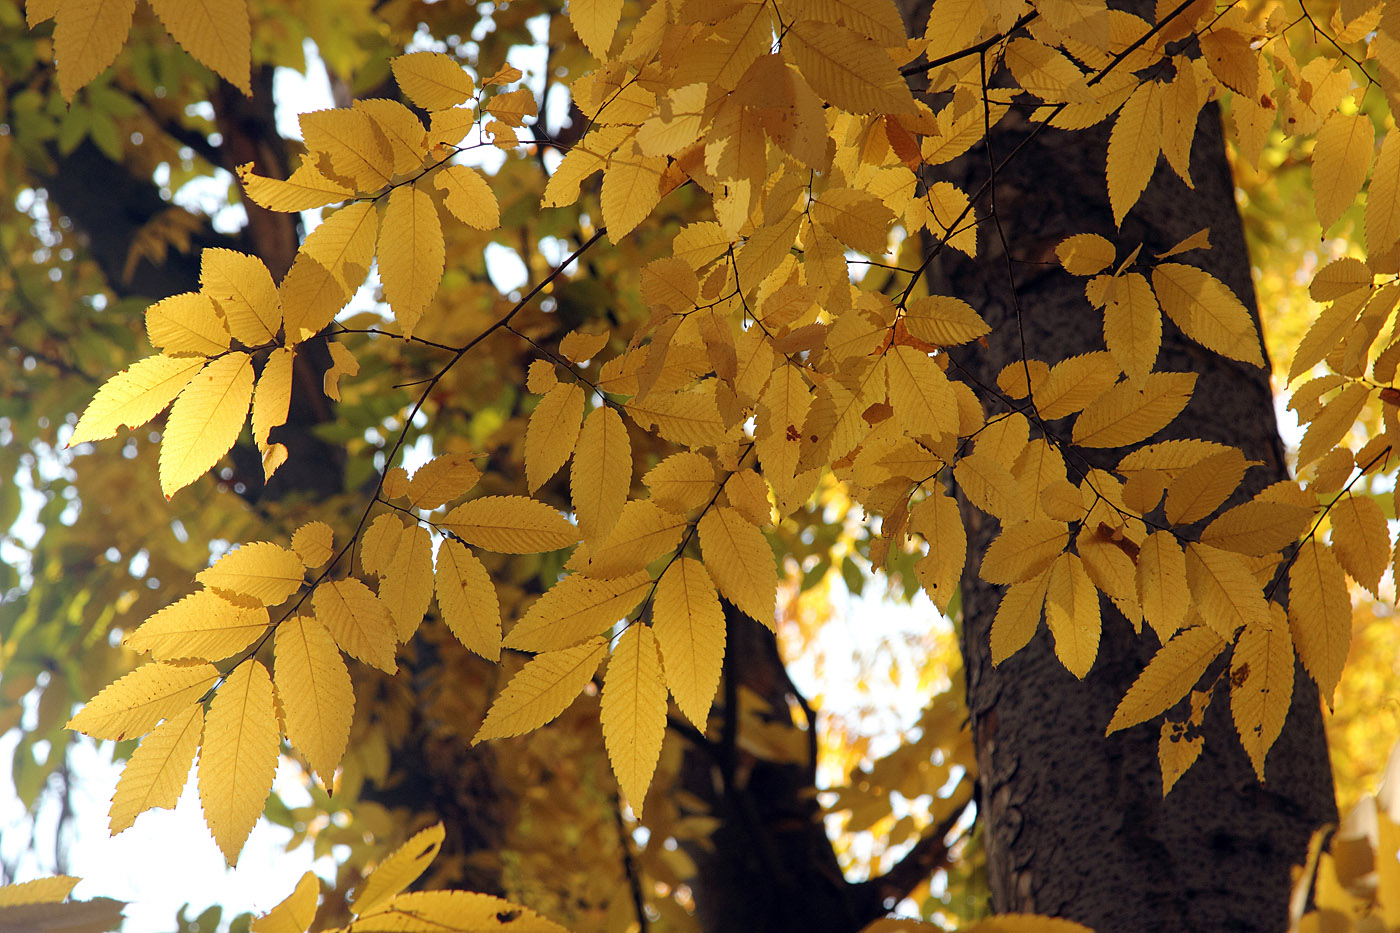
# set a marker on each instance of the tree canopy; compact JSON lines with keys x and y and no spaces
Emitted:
{"x":813,"y":296}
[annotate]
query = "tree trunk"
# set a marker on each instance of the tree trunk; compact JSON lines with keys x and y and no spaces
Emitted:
{"x":1075,"y":824}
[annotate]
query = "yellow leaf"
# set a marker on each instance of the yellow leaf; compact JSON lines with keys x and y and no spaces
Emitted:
{"x":358,"y":620}
{"x":944,"y":321}
{"x":343,"y":363}
{"x":1199,"y":489}
{"x":682,"y":481}
{"x":595,"y":21}
{"x":311,"y":296}
{"x":1178,"y":748}
{"x":348,"y":148}
{"x":134,"y":396}
{"x":205,"y":420}
{"x":1383,"y":197}
{"x":577,"y":608}
{"x":403,"y":867}
{"x":644,"y":531}
{"x":238,"y":756}
{"x":1207,"y":311}
{"x":343,"y":245}
{"x":87,"y":36}
{"x":313,"y":542}
{"x":314,"y":693}
{"x":402,"y":557}
{"x":741,"y":562}
{"x":543,"y":689}
{"x":156,"y":773}
{"x":1025,"y":923}
{"x":50,"y":890}
{"x":265,"y":571}
{"x":1073,"y":383}
{"x":512,"y":107}
{"x":920,"y":393}
{"x":1018,"y":617}
{"x":690,"y":633}
{"x":468,"y":197}
{"x":1126,"y":414}
{"x":1161,"y":584}
{"x":510,"y":525}
{"x":949,"y":205}
{"x":187,"y":323}
{"x":432,"y":80}
{"x":1319,"y":614}
{"x":631,"y":188}
{"x":1258,"y":527}
{"x":203,"y":625}
{"x":856,"y":218}
{"x":1085,"y":254}
{"x":1342,"y":276}
{"x":455,"y":910}
{"x":602,"y":473}
{"x":273,"y":396}
{"x":1132,"y":326}
{"x":1261,"y":685}
{"x":216,"y":32}
{"x":467,"y":598}
{"x":1340,"y":160}
{"x":1133,"y":148}
{"x":634,"y":711}
{"x":1024,"y":551}
{"x":937,"y":519}
{"x":1168,"y":677}
{"x":849,"y":70}
{"x":990,"y":485}
{"x":305,"y":190}
{"x":579,"y":347}
{"x":411,"y":254}
{"x":243,"y":289}
{"x":132,"y":706}
{"x":1330,"y":425}
{"x":1223,"y":589}
{"x":296,"y":913}
{"x":442,"y":479}
{"x":552,"y":432}
{"x":1198,"y":240}
{"x":1072,"y":614}
{"x":1360,"y":539}
{"x":401,"y":129}
{"x":1046,"y":72}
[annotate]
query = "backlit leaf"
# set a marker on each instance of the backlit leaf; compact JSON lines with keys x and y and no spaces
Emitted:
{"x":432,"y":80}
{"x":467,"y":598}
{"x":294,"y":914}
{"x":634,"y":711}
{"x":262,"y":570}
{"x":441,"y":480}
{"x":133,"y":705}
{"x":552,"y":432}
{"x":411,"y":254}
{"x":510,"y":525}
{"x":1126,"y":414}
{"x":203,"y":625}
{"x":468,"y":197}
{"x":1072,"y":614}
{"x":86,"y":39}
{"x":543,"y":689}
{"x":187,"y":323}
{"x":358,"y":620}
{"x":216,"y":32}
{"x":741,"y":562}
{"x":135,"y":396}
{"x":1340,"y":160}
{"x":689,"y":626}
{"x":238,"y":756}
{"x":577,"y":608}
{"x":314,"y":693}
{"x":1207,"y":311}
{"x":243,"y":289}
{"x":1168,"y":677}
{"x":1261,"y":685}
{"x":156,"y":773}
{"x":205,"y":420}
{"x":403,"y":867}
{"x":601,"y":474}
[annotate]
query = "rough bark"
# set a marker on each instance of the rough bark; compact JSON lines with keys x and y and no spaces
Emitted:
{"x":1075,"y":823}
